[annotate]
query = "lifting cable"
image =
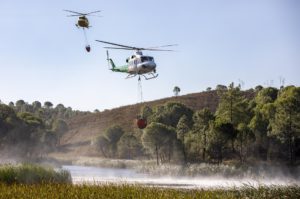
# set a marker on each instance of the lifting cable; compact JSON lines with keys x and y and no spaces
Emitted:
{"x":85,"y":37}
{"x":140,"y":90}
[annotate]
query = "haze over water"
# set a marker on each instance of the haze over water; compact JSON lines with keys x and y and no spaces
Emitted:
{"x":93,"y":175}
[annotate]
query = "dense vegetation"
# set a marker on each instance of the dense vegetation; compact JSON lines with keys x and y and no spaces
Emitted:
{"x":32,"y":174}
{"x":136,"y":191}
{"x":243,"y":129}
{"x":261,"y":124}
{"x":32,"y":130}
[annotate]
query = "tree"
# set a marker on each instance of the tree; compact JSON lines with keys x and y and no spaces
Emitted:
{"x":59,"y":127}
{"x":244,"y":137}
{"x":217,"y":140}
{"x":102,"y":143}
{"x":176,"y":90}
{"x":258,"y":88}
{"x":11,"y":104}
{"x":36,"y":105}
{"x":129,"y":146}
{"x":286,"y":124}
{"x":113,"y":134}
{"x":263,"y":113}
{"x":202,"y":121}
{"x":233,"y":106}
{"x":233,"y":109}
{"x":183,"y":127}
{"x":7,"y":119}
{"x":170,"y":113}
{"x":208,"y":89}
{"x":220,"y":87}
{"x":48,"y":105}
{"x":20,"y":103}
{"x":157,"y":137}
{"x":146,"y":112}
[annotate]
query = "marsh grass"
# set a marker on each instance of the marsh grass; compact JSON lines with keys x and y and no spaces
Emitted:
{"x":138,"y":191}
{"x":32,"y":174}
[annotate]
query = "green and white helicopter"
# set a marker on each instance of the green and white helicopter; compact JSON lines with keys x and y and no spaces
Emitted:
{"x":137,"y":64}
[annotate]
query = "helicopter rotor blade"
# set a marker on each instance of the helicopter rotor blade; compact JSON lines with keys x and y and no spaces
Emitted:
{"x":124,"y":47}
{"x":95,"y":15}
{"x":118,"y":48}
{"x":120,"y":45}
{"x":74,"y":12}
{"x":73,"y":15}
{"x":93,"y":12}
{"x":170,"y":45}
{"x":151,"y":49}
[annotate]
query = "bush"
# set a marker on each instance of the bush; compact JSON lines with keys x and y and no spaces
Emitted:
{"x":32,"y":174}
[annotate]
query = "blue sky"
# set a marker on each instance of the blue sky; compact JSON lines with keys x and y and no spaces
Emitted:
{"x":42,"y":55}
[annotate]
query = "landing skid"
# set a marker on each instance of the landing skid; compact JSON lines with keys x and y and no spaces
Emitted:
{"x":152,"y":76}
{"x":130,"y":76}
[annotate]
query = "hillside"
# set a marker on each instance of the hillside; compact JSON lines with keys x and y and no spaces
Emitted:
{"x":84,"y":128}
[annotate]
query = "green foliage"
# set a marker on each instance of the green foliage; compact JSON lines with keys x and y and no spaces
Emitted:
{"x":218,"y":138}
{"x":286,"y":123}
{"x":108,"y":142}
{"x":146,"y":112}
{"x":170,"y":113}
{"x":233,"y":106}
{"x":202,"y":120}
{"x":129,"y":146}
{"x":30,"y":119}
{"x":48,"y":105}
{"x":160,"y":140}
{"x":31,"y":129}
{"x":183,"y":127}
{"x":176,"y":90}
{"x":102,"y":144}
{"x":32,"y":174}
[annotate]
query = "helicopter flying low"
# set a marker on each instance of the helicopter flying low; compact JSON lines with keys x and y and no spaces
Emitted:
{"x":83,"y":21}
{"x":136,"y":64}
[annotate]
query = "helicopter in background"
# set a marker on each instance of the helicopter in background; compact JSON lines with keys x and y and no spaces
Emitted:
{"x":83,"y":23}
{"x":136,"y":64}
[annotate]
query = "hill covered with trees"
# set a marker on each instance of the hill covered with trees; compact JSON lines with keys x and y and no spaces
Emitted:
{"x":225,"y":124}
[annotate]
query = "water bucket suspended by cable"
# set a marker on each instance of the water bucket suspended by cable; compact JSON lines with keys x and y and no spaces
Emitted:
{"x":141,"y":122}
{"x":88,"y":48}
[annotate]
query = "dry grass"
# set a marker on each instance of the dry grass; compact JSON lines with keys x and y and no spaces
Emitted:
{"x":136,"y":191}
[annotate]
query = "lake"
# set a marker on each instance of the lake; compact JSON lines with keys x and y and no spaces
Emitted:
{"x":98,"y":175}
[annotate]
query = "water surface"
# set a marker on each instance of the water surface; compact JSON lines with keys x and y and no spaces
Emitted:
{"x":97,"y":175}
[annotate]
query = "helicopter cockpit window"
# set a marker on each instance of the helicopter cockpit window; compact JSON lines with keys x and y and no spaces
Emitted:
{"x":147,"y":59}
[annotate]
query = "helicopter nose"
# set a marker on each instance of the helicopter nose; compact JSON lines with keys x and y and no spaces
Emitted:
{"x":149,"y":65}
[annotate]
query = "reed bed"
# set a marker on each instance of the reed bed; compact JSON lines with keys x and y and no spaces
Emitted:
{"x":137,"y":191}
{"x":32,"y":174}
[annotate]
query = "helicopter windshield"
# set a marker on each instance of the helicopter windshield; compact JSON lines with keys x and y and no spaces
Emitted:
{"x":143,"y":59}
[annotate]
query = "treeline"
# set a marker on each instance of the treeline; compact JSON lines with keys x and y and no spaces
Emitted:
{"x":265,"y":127}
{"x":32,"y":130}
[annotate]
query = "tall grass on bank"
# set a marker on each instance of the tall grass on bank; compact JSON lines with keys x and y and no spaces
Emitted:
{"x":136,"y":191}
{"x":32,"y":174}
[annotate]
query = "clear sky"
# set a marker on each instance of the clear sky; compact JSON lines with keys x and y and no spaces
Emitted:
{"x":42,"y":55}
